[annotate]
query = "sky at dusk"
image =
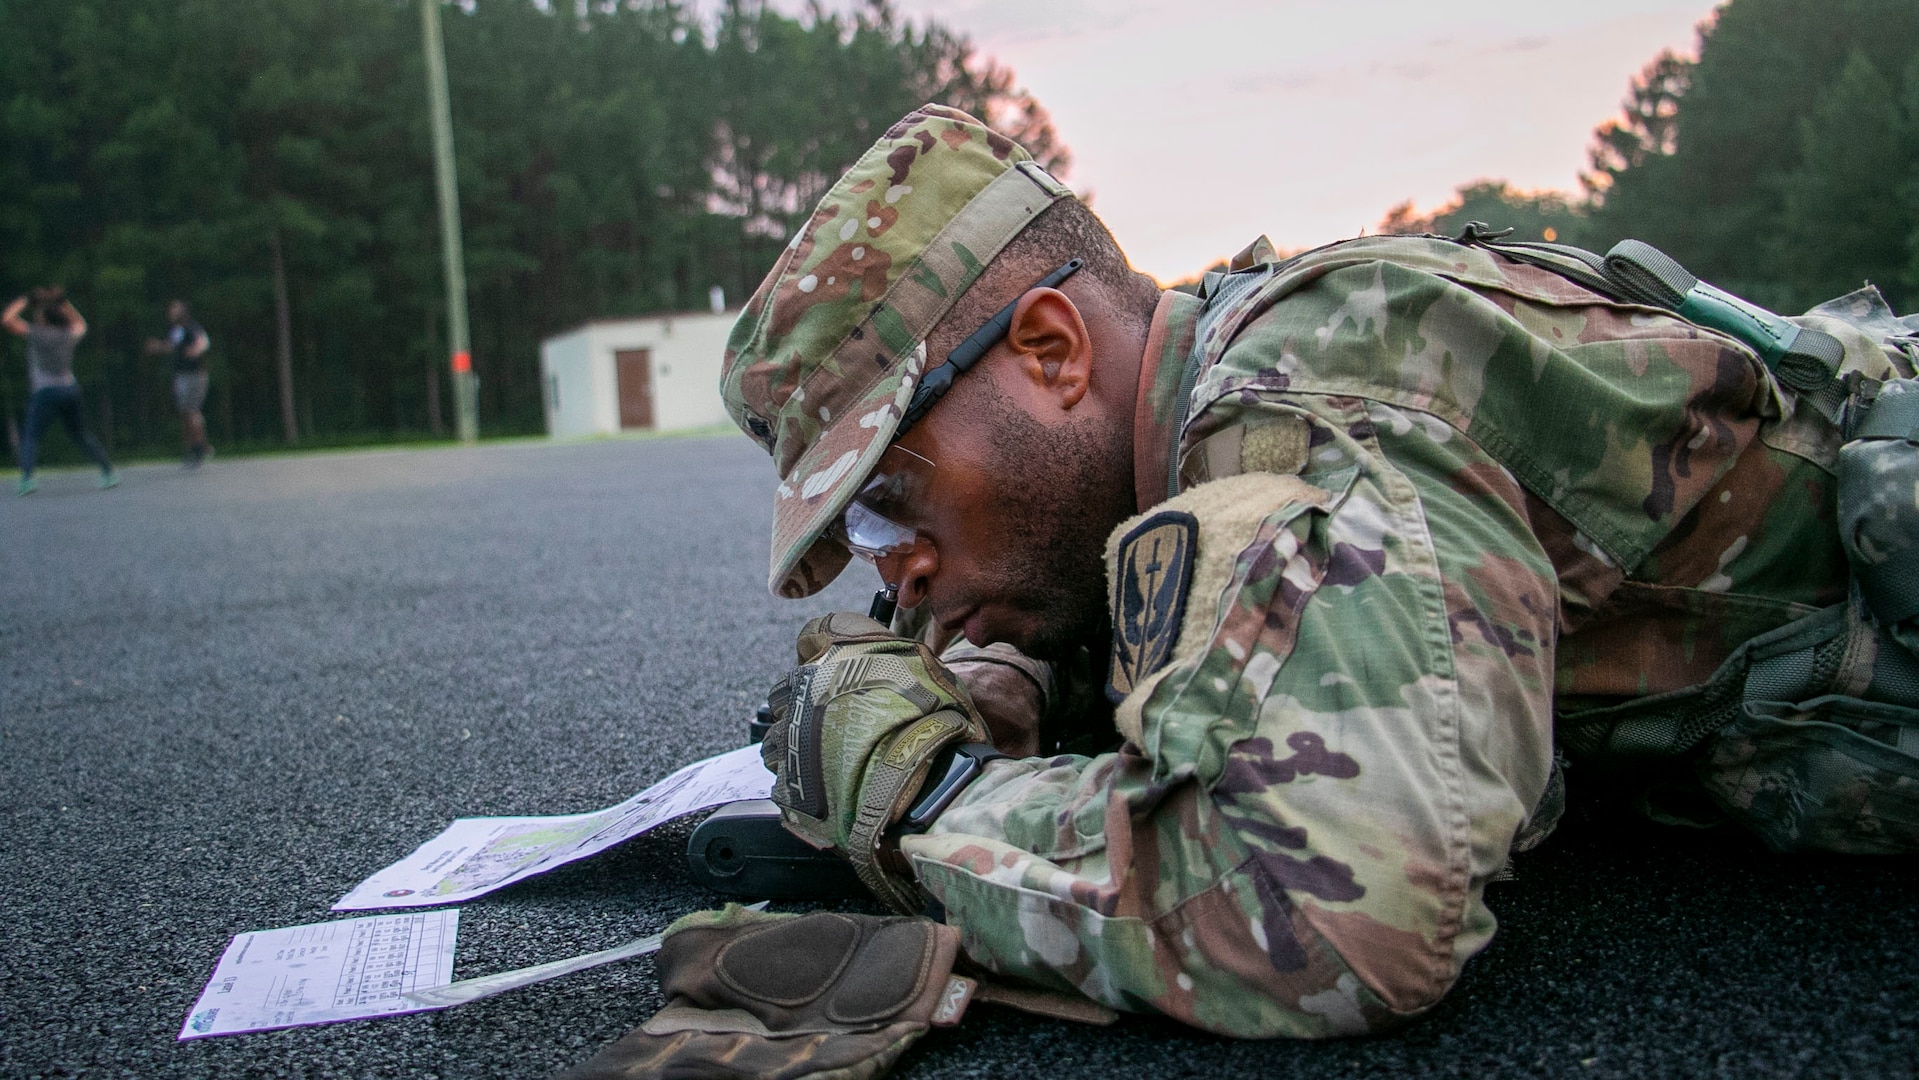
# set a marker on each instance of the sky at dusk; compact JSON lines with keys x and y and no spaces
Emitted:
{"x":1196,"y":126}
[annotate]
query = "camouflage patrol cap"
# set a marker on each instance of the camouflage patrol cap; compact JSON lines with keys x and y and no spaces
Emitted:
{"x":825,"y":356}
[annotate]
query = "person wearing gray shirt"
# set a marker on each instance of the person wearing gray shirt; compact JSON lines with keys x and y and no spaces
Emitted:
{"x":52,"y":328}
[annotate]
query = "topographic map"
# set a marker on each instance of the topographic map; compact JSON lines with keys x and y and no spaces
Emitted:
{"x":474,"y":856}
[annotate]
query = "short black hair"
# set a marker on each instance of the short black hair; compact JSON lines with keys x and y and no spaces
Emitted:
{"x":1068,"y":229}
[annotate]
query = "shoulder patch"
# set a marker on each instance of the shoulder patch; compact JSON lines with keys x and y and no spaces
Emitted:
{"x":1153,"y":570}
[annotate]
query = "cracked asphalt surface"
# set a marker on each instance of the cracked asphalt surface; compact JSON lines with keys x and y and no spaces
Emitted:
{"x":227,"y":696}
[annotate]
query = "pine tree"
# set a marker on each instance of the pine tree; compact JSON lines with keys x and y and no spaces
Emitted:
{"x":1776,"y":168}
{"x":1845,"y":220}
{"x":614,"y":159}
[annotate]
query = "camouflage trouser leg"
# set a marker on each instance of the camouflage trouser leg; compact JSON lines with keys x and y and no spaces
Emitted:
{"x":1295,"y":840}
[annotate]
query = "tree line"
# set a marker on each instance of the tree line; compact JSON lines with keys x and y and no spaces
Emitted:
{"x":270,"y":162}
{"x":1782,"y":164}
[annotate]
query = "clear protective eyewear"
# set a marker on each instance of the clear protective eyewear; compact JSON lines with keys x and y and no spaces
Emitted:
{"x":870,"y":527}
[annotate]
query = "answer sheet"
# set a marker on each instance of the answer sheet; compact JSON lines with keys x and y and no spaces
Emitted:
{"x":325,"y":972}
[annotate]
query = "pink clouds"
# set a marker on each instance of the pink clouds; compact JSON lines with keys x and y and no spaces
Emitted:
{"x":1197,"y":126}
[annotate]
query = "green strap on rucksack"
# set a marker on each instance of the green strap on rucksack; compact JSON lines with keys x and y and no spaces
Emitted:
{"x":1808,"y":734}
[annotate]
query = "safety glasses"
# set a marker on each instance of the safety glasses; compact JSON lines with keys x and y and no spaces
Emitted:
{"x":872,"y":525}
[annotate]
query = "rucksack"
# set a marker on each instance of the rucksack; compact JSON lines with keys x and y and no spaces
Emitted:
{"x":1808,"y":734}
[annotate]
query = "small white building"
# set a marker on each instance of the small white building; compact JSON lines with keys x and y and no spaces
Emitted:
{"x":654,"y":372}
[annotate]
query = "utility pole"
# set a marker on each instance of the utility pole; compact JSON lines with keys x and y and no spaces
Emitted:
{"x":466,"y":385}
{"x":283,"y":339}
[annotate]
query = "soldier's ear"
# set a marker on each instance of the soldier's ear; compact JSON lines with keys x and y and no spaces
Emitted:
{"x":1055,"y":351}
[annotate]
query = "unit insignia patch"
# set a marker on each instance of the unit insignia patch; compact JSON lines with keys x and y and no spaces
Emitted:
{"x":1151,"y":576}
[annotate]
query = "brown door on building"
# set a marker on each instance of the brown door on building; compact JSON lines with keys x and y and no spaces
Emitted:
{"x":634,"y":370}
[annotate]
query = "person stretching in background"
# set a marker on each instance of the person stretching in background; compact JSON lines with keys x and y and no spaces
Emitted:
{"x":54,"y":329}
{"x":187,"y":343}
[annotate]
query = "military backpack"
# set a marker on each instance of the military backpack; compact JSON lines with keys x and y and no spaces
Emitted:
{"x":1808,"y":734}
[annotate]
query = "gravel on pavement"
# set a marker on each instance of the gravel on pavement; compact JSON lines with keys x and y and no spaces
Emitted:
{"x":226,"y":696}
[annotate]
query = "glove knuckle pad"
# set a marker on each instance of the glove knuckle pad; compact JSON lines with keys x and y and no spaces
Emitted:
{"x":791,"y":962}
{"x":865,"y":969}
{"x":892,"y":963}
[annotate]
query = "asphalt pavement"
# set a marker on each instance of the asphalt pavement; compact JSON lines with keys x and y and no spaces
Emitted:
{"x":228,"y":696}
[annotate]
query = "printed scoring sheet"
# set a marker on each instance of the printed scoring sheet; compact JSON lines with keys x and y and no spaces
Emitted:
{"x":324,"y":972}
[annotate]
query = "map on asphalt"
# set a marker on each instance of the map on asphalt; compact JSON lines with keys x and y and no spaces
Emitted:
{"x":324,"y":972}
{"x":475,"y":856}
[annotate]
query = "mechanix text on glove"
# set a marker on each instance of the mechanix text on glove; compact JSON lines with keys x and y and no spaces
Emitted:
{"x":856,"y":728}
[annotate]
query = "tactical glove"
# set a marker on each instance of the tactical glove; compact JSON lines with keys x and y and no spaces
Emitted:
{"x":785,"y":997}
{"x":856,"y":728}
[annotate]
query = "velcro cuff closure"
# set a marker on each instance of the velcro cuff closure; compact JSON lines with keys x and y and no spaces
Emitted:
{"x":893,"y":779}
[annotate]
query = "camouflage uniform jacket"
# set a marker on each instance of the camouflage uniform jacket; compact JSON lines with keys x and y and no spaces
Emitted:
{"x":1434,"y":489}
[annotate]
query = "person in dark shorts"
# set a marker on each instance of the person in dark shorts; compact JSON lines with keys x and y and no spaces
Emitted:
{"x":52,"y":327}
{"x":186,"y":342}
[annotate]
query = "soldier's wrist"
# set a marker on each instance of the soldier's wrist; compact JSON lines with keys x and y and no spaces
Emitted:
{"x":952,"y":772}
